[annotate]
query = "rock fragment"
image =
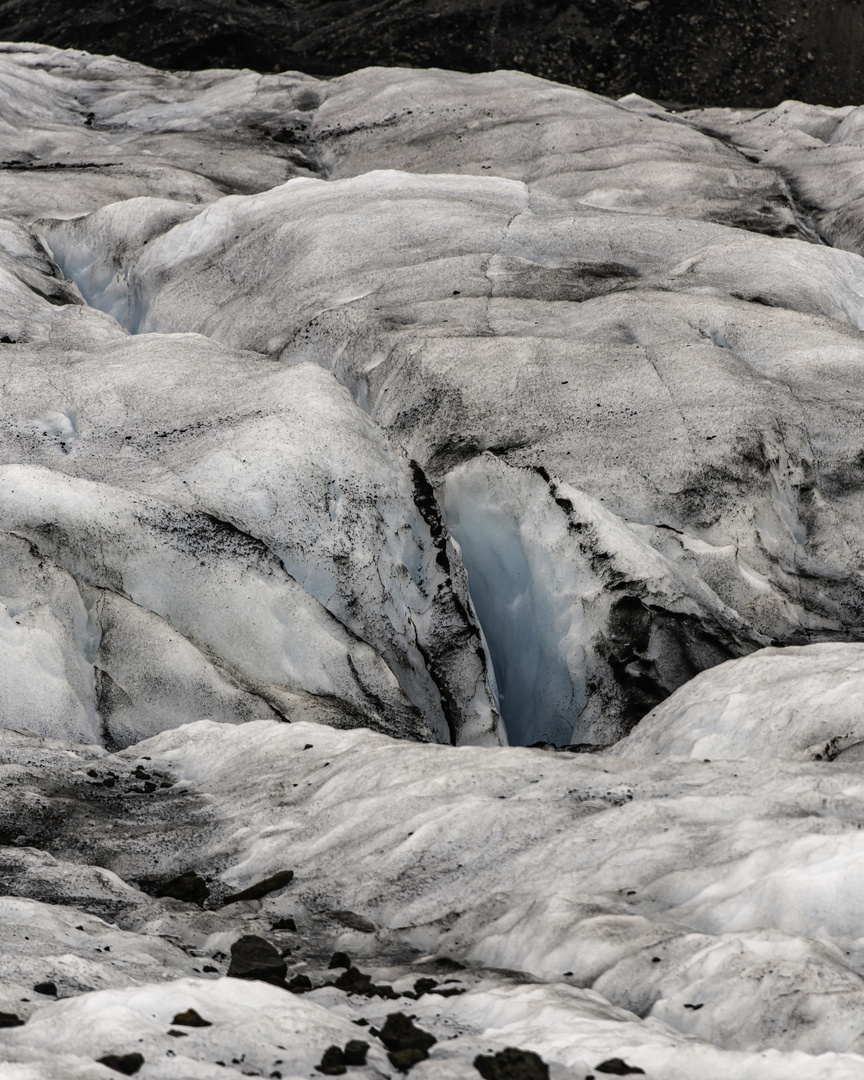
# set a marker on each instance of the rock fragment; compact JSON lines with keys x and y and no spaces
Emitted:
{"x":262,"y":888}
{"x":300,"y":984}
{"x":191,"y":1018}
{"x":355,"y":1052}
{"x":189,"y":887}
{"x":254,"y":957}
{"x":619,"y":1067}
{"x":355,"y":922}
{"x":354,"y":981}
{"x":406,"y":1043}
{"x":127,"y":1064}
{"x":332,"y":1062}
{"x":512,"y":1063}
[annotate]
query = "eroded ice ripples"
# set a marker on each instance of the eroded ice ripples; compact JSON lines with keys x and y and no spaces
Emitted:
{"x":486,"y":410}
{"x":658,"y":907}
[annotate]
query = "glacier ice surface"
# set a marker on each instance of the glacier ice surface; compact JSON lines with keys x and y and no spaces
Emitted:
{"x":421,"y":409}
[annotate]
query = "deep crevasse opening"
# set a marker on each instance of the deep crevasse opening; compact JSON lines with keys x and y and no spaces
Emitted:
{"x":102,"y":285}
{"x":530,"y":614}
{"x":100,"y":250}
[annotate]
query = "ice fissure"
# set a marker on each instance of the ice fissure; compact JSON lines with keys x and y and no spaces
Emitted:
{"x":531,"y":628}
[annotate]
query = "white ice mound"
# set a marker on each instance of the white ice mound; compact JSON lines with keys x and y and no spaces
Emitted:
{"x":799,"y":702}
{"x":118,"y":130}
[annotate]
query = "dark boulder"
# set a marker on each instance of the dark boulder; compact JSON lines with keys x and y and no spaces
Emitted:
{"x":332,"y":1062}
{"x":406,"y":1043}
{"x":356,"y":1051}
{"x":127,"y":1064}
{"x":512,"y":1064}
{"x":262,"y":888}
{"x":255,"y":958}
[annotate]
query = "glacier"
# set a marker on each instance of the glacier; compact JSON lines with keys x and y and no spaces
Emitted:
{"x":430,"y":517}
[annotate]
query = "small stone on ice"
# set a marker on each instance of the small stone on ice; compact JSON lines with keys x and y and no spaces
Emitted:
{"x":285,"y":924}
{"x":617,"y":1067}
{"x":262,"y":888}
{"x":354,"y":981}
{"x":190,"y":1018}
{"x":354,"y":921}
{"x":299,"y":984}
{"x":128,"y":1064}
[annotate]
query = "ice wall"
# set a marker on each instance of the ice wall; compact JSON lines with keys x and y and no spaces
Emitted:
{"x":530,"y":613}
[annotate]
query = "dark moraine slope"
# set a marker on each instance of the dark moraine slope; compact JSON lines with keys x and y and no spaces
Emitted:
{"x":729,"y":52}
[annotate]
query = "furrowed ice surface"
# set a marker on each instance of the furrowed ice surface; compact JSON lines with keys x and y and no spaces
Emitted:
{"x":818,"y":150}
{"x":419,"y":401}
{"x":81,"y":131}
{"x":650,"y":924}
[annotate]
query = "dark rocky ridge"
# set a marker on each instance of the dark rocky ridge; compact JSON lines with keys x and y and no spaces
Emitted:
{"x":714,"y":52}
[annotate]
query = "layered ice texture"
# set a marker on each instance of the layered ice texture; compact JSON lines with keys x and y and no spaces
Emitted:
{"x":429,"y":412}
